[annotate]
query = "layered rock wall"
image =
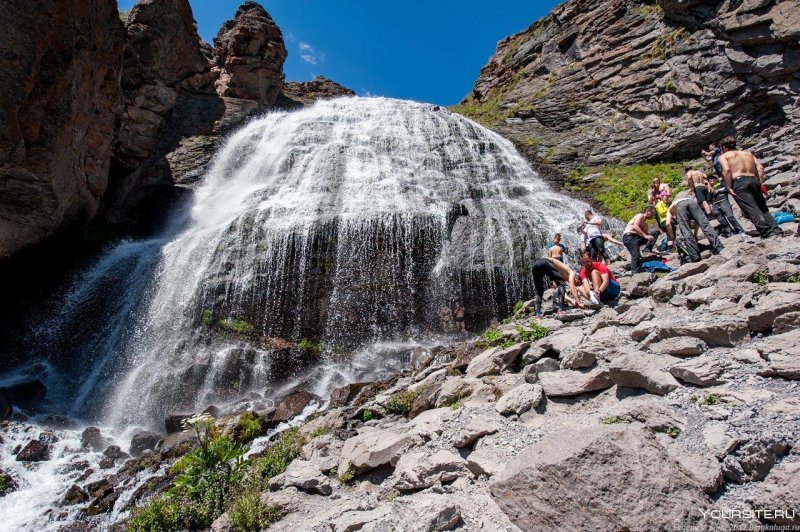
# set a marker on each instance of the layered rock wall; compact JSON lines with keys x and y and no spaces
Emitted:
{"x":602,"y":82}
{"x":59,"y":99}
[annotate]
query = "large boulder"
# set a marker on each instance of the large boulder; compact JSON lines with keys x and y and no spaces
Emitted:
{"x":702,"y":371}
{"x":302,"y":475}
{"x":566,"y":383}
{"x":726,"y":331}
{"x":608,"y":477}
{"x":250,"y":53}
{"x":59,"y":101}
{"x":415,"y":471}
{"x":778,"y":497}
{"x":375,"y":449}
{"x":783,"y":353}
{"x":643,"y":370}
{"x":495,"y":360}
{"x":520,"y":399}
{"x":35,"y":451}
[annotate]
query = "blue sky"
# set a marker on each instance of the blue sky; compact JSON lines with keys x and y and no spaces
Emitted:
{"x":422,"y":50}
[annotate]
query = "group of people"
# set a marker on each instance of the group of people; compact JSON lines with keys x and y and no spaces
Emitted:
{"x":734,"y":174}
{"x":452,"y":319}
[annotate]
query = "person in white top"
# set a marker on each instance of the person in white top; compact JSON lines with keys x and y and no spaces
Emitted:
{"x":594,"y":236}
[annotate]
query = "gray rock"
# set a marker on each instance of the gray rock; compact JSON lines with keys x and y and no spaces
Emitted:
{"x":762,"y":316}
{"x":566,"y":383}
{"x":377,"y":448}
{"x":142,"y":441}
{"x":642,"y":370}
{"x":473,"y":429}
{"x":303,"y":475}
{"x":702,"y":371}
{"x":757,"y":457}
{"x":563,"y":339}
{"x":577,"y":359}
{"x":353,"y":520}
{"x":718,"y":441}
{"x":520,"y":399}
{"x":616,"y":467}
{"x":682,"y":346}
{"x":485,"y":461}
{"x":418,"y":470}
{"x":545,"y":365}
{"x":726,"y":331}
{"x":780,"y":491}
{"x":496,"y":360}
{"x":783,"y":354}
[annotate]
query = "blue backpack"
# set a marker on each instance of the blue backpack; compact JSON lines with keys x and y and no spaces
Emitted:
{"x":653,"y":266}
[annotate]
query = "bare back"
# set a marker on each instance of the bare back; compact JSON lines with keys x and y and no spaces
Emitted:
{"x":740,"y":163}
{"x":697,"y":177}
{"x":636,"y":221}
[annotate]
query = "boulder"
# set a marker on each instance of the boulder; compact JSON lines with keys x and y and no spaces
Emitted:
{"x":7,"y":483}
{"x":782,"y":352}
{"x":681,"y":346}
{"x":453,"y":389}
{"x":635,"y":315}
{"x":34,"y":451}
{"x":91,"y":438}
{"x":757,"y":457}
{"x":142,"y":441}
{"x":303,"y":475}
{"x":702,"y":371}
{"x":496,"y":360}
{"x":291,"y":406}
{"x":115,"y":453}
{"x":520,"y":399}
{"x":703,"y":468}
{"x":786,"y":322}
{"x":353,"y":520}
{"x":563,"y":339}
{"x":545,"y":365}
{"x":578,"y":358}
{"x":344,"y":395}
{"x":778,"y":496}
{"x":473,"y":429}
{"x":638,"y":285}
{"x":726,"y":331}
{"x":375,"y":449}
{"x":416,"y":471}
{"x":566,"y":383}
{"x":718,"y":441}
{"x":611,"y":477}
{"x":75,"y":495}
{"x":761,"y":317}
{"x":485,"y":461}
{"x":642,"y":370}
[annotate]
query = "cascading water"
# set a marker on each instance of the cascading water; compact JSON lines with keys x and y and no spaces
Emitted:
{"x":350,"y":224}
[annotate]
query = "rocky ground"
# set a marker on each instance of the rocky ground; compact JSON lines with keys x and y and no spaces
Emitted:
{"x":679,"y":406}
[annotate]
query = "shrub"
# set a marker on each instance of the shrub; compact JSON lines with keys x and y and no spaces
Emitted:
{"x":761,"y":277}
{"x":308,"y":345}
{"x":537,"y":332}
{"x":250,"y":514}
{"x":711,"y":399}
{"x":794,"y":279}
{"x":367,"y":415}
{"x":320,"y":431}
{"x":457,"y":404}
{"x":164,"y":513}
{"x":611,"y":420}
{"x":492,"y":335}
{"x":278,"y":457}
{"x":208,"y":317}
{"x":518,"y":306}
{"x":236,"y":326}
{"x":249,"y":427}
{"x":401,"y":403}
{"x":453,"y":372}
{"x":346,"y":477}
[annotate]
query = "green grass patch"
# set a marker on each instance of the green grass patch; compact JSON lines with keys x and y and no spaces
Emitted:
{"x":794,"y":279}
{"x":536,"y":332}
{"x":249,"y":428}
{"x":320,"y":431}
{"x":401,"y":403}
{"x":623,"y":189}
{"x":613,"y":420}
{"x":278,"y":456}
{"x":761,"y":277}
{"x":208,"y":317}
{"x":367,"y":415}
{"x":346,"y":477}
{"x":236,"y":326}
{"x":250,"y":514}
{"x":310,"y":346}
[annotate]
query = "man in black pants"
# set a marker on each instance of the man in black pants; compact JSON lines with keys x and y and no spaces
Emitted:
{"x":739,"y":171}
{"x":687,"y":211}
{"x":637,"y":234}
{"x":542,"y":268}
{"x":723,"y":212}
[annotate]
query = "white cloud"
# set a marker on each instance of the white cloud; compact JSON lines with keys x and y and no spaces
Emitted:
{"x":309,"y":54}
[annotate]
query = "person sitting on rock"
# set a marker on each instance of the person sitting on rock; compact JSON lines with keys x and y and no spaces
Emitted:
{"x":545,"y":268}
{"x":686,"y":211}
{"x":637,"y":234}
{"x":657,"y":189}
{"x":594,"y":235}
{"x":556,"y":249}
{"x":700,"y":189}
{"x":598,"y":283}
{"x":723,"y":212}
{"x":739,"y":171}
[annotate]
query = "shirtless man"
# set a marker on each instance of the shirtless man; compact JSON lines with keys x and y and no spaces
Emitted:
{"x":701,"y":190}
{"x":685,"y":211}
{"x":572,"y":280}
{"x":556,"y":249}
{"x":637,"y":234}
{"x":739,"y":171}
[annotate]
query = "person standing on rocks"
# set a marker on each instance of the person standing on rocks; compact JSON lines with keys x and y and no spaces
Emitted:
{"x":459,"y":313}
{"x":638,"y":234}
{"x":686,"y":211}
{"x":598,"y":283}
{"x":594,"y":236}
{"x":739,"y":171}
{"x":700,"y":189}
{"x":446,"y":318}
{"x":723,"y":212}
{"x":556,"y":249}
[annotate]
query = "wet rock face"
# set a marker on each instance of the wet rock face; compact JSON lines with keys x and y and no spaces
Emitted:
{"x":59,"y":98}
{"x":607,"y":82}
{"x":250,"y":55}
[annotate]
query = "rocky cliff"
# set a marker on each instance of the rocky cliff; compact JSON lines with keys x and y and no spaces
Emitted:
{"x":104,"y":116}
{"x":59,"y":100}
{"x":607,"y":82}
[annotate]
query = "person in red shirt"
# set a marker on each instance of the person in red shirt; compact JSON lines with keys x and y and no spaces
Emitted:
{"x":598,"y":283}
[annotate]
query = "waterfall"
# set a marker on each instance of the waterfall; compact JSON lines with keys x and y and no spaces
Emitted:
{"x":347,"y":223}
